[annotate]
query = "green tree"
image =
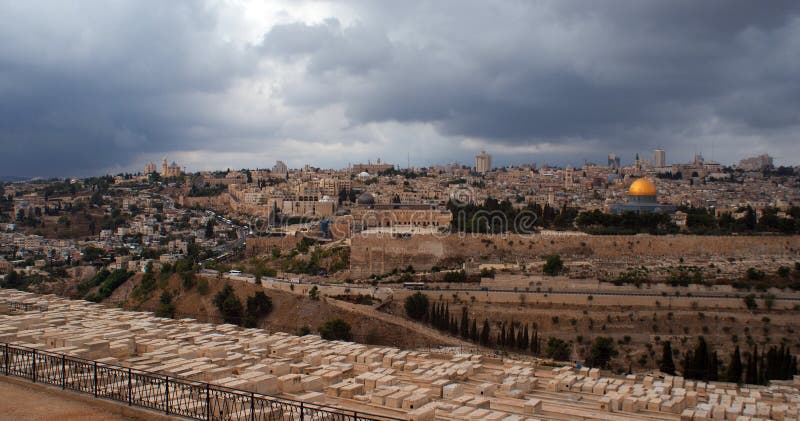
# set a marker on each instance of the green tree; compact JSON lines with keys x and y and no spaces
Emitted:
{"x":258,"y":306}
{"x":557,"y":349}
{"x":91,"y":254}
{"x":667,"y":365}
{"x":750,"y":302}
{"x":735,"y":369}
{"x":12,"y":280}
{"x":751,"y":374}
{"x":313,"y":293}
{"x":754,"y":274}
{"x":602,"y":352}
{"x":485,"y":333}
{"x":166,"y":308}
{"x":701,"y":363}
{"x":336,"y":329}
{"x":210,"y":228}
{"x":229,"y":305}
{"x":188,"y":279}
{"x":464,"y":325}
{"x":416,"y":306}
{"x":553,"y":265}
{"x":769,"y":301}
{"x":473,"y":331}
{"x":536,"y":342}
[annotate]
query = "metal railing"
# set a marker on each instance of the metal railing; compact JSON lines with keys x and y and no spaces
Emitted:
{"x":171,"y":395}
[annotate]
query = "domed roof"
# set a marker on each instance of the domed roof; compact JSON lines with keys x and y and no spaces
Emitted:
{"x":642,"y":187}
{"x":365,"y":199}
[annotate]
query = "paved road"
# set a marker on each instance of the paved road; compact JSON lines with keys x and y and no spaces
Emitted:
{"x":730,"y":296}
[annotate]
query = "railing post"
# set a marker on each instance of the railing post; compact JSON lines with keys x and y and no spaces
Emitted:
{"x":166,"y":387}
{"x":302,"y":412}
{"x":6,"y":359}
{"x":63,"y":371}
{"x":252,"y":406}
{"x":95,"y":379}
{"x":130,"y":387}
{"x":208,"y":402}
{"x":33,"y":374}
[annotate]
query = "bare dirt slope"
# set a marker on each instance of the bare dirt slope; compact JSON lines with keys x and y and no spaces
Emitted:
{"x":290,"y":312}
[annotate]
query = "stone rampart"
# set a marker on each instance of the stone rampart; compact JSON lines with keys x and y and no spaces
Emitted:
{"x":378,"y":254}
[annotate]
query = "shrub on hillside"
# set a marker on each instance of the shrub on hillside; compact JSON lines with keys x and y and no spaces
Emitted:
{"x":553,"y":265}
{"x":336,"y":329}
{"x":417,"y":306}
{"x":229,"y":305}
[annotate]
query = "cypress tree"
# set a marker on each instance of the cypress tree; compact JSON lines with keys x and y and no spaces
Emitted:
{"x":511,"y":340}
{"x":485,"y":332}
{"x":520,"y":339}
{"x":525,"y":340}
{"x":688,"y":367}
{"x":473,"y":332}
{"x":464,"y":323}
{"x":667,"y":365}
{"x":535,"y":342}
{"x":713,"y":367}
{"x":701,"y":359}
{"x":734,"y":374}
{"x":772,"y":367}
{"x":786,"y":363}
{"x":751,"y":375}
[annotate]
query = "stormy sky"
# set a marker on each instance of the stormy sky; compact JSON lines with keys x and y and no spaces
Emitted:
{"x":91,"y":87}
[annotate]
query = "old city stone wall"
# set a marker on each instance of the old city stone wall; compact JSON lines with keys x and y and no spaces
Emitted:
{"x":261,"y":245}
{"x":220,"y":202}
{"x":378,"y":254}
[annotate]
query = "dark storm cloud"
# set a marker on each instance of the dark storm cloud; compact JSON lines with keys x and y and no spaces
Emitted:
{"x":87,"y":88}
{"x":98,"y":85}
{"x":523,"y":72}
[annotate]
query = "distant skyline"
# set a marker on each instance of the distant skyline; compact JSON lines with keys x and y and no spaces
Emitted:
{"x":95,"y":87}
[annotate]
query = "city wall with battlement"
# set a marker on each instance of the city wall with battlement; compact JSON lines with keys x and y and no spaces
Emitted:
{"x":379,"y":254}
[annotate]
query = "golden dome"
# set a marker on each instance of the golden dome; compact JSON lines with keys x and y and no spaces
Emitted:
{"x":642,"y":187}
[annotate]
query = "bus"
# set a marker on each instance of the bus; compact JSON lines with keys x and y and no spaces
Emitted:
{"x":414,"y":285}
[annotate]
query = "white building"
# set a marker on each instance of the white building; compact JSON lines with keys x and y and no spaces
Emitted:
{"x":483,"y":162}
{"x":659,"y":158}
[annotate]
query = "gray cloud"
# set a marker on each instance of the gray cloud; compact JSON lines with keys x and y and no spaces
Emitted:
{"x":600,"y":73}
{"x":82,"y":90}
